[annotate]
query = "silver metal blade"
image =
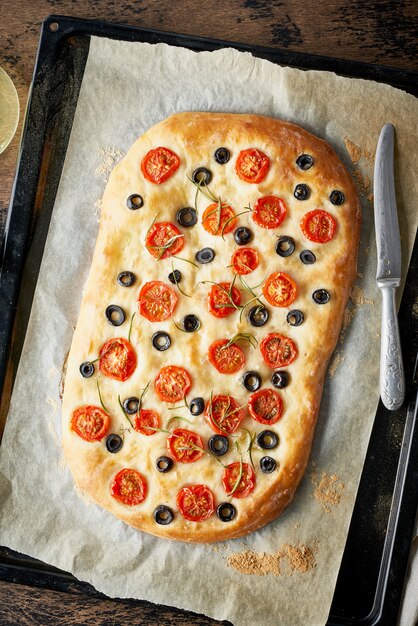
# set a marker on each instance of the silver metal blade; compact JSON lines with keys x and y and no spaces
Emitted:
{"x":385,"y":212}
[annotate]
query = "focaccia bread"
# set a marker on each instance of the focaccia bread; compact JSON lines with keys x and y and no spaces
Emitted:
{"x":225,"y":256}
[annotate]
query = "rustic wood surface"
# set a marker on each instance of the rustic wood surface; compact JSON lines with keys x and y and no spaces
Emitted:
{"x":383,"y":32}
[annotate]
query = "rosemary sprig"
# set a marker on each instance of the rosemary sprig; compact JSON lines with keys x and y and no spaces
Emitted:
{"x":143,"y":392}
{"x":237,"y":482}
{"x":242,"y":337}
{"x":177,"y":282}
{"x":181,"y":406}
{"x":175,"y":418}
{"x":101,"y":399}
{"x":124,"y":412}
{"x":163,"y":249}
{"x":180,"y":258}
{"x":250,"y":446}
{"x":130,"y":326}
{"x":230,"y":220}
{"x":206,"y":191}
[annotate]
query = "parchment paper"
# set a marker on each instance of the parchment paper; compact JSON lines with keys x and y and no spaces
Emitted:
{"x":127,"y":87}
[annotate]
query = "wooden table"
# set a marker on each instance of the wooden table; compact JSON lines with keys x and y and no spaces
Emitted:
{"x":386,"y":35}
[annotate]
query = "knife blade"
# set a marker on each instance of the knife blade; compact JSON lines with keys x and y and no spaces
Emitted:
{"x":388,"y":276}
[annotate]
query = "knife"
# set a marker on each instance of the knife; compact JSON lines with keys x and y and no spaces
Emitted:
{"x":388,"y":276}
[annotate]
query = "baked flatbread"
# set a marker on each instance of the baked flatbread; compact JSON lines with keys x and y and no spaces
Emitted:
{"x":225,"y":256}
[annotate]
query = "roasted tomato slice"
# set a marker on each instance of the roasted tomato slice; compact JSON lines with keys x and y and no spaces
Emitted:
{"x":215,"y":222}
{"x":220,"y":301}
{"x":185,"y":446}
{"x":265,"y":406}
{"x":196,"y":502}
{"x":163,"y":240}
{"x":244,"y":260}
{"x":147,"y":421}
{"x":252,"y":165}
{"x":279,"y":289}
{"x":159,"y":164}
{"x":318,"y":226}
{"x":278,"y":350}
{"x":172,"y":383}
{"x":227,"y":359}
{"x":91,"y":423}
{"x":224,"y":414}
{"x":117,"y":359}
{"x":157,"y":301}
{"x":238,"y":479}
{"x":129,"y":487}
{"x":269,"y":212}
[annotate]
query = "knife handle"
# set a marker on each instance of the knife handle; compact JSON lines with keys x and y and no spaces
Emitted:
{"x":392,"y":378}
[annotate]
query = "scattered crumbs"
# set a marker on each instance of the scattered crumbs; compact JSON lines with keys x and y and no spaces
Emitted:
{"x":336,"y":362}
{"x":363,"y":182}
{"x":52,"y":372}
{"x":368,"y":155}
{"x":300,"y":557}
{"x":97,"y":209}
{"x":52,"y":430}
{"x":415,"y":309}
{"x":52,"y":403}
{"x":328,"y":489}
{"x":108,"y":159}
{"x":366,"y":251}
{"x":215,"y":548}
{"x":366,"y":182}
{"x":348,"y":317}
{"x":357,"y":296}
{"x":353,"y":150}
{"x":360,"y":275}
{"x":297,"y":557}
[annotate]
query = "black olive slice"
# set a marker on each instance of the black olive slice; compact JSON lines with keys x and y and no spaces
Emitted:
{"x":251,"y":381}
{"x":202,"y":176}
{"x":304,"y":162}
{"x":321,"y":296}
{"x":242,"y":235}
{"x":87,"y":369}
{"x":280,"y":379}
{"x":115,"y":315}
{"x":186,"y":217}
{"x":222,"y":155}
{"x":164,"y":464}
{"x":174,"y":277}
{"x":301,"y":192}
{"x":258,"y":316}
{"x":163,"y":515}
{"x":161,"y":341}
{"x":205,"y":255}
{"x":218,"y":445}
{"x":126,"y":279}
{"x":295,"y":317}
{"x":190,"y":323}
{"x":131,"y":405}
{"x":285,"y":246}
{"x":134,"y":202}
{"x":307,"y":257}
{"x":267,"y":465}
{"x":114,"y":443}
{"x":226,"y":511}
{"x":197,"y":406}
{"x":337,"y":197}
{"x":267,"y":440}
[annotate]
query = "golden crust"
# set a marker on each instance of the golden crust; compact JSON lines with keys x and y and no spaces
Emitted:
{"x":120,"y":246}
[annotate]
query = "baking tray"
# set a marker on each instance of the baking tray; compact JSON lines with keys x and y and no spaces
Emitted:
{"x":373,"y":567}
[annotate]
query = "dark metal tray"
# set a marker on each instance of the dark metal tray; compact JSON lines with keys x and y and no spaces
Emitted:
{"x":373,"y":567}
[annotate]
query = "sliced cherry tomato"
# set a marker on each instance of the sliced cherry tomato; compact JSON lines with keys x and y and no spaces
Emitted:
{"x":129,"y":487}
{"x":265,"y":406}
{"x":185,"y":446}
{"x":269,"y":212}
{"x":163,"y":240}
{"x":157,"y":301}
{"x":196,"y":502}
{"x":278,"y":350}
{"x":236,"y":486}
{"x":117,"y":359}
{"x":220,"y":302}
{"x":159,"y":164}
{"x":279,"y":289}
{"x":146,"y":421}
{"x":244,"y":260}
{"x":227,"y":359}
{"x":224,"y":414}
{"x":318,"y":226}
{"x":172,"y":383}
{"x":252,"y":165}
{"x":91,"y":423}
{"x":216,"y":224}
